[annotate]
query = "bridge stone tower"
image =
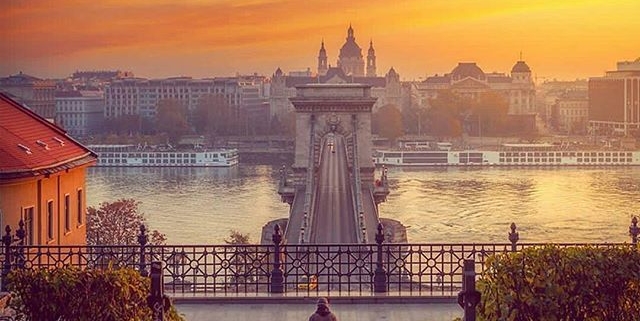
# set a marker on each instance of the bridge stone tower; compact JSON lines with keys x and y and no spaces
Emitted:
{"x":333,"y":115}
{"x":340,"y":108}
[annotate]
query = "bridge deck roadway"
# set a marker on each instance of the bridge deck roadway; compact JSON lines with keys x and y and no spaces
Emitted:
{"x":332,"y":220}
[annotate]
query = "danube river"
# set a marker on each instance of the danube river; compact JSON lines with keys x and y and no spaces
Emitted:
{"x":202,"y":205}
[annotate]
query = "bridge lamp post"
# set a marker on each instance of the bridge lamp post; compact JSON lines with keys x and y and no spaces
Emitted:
{"x":380,"y":274}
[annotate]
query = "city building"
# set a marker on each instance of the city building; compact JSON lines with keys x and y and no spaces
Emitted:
{"x":571,"y":112}
{"x":549,"y":91}
{"x":614,"y":100}
{"x":80,"y":112}
{"x":350,"y":69}
{"x":468,"y":79}
{"x":35,"y":93}
{"x":139,"y":96}
{"x":42,"y":177}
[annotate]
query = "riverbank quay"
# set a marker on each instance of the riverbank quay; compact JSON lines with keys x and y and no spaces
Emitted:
{"x":346,"y":309}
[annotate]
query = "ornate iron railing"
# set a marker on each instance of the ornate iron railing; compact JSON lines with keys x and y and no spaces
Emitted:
{"x":302,"y":270}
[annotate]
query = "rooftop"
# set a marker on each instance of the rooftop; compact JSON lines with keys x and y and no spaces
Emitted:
{"x":33,"y":146}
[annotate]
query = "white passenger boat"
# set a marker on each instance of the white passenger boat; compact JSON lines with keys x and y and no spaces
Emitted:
{"x":509,"y":155}
{"x":166,"y":156}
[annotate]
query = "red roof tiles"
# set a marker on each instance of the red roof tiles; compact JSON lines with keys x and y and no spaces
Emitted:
{"x":30,"y":145}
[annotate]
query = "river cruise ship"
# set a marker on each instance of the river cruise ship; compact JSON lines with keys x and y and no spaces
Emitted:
{"x":509,"y":155}
{"x":152,"y":156}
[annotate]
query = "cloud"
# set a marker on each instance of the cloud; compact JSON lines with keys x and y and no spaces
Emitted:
{"x":411,"y":35}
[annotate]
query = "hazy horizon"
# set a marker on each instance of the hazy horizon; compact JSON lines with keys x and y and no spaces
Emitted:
{"x":198,"y":38}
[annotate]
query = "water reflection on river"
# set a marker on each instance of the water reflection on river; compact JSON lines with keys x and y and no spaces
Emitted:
{"x":201,"y":205}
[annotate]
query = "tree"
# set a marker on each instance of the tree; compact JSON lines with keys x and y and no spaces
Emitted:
{"x":491,"y":109}
{"x":387,"y":122}
{"x":242,"y":268}
{"x":443,"y":123}
{"x":213,"y":115}
{"x":284,"y":124}
{"x":172,"y":118}
{"x":118,"y":223}
{"x":415,"y":119}
{"x":124,"y":124}
{"x":237,"y":238}
{"x":445,"y":114}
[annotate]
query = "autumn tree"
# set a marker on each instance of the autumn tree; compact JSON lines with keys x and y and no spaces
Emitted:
{"x":387,"y":122}
{"x":443,"y":123}
{"x":172,"y":119}
{"x":118,"y":223}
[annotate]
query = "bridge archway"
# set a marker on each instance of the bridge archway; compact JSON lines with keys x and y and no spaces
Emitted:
{"x":341,"y":108}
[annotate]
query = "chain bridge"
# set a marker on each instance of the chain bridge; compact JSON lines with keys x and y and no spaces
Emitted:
{"x":331,"y":188}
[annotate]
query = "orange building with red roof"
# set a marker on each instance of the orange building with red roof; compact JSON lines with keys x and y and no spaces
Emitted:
{"x":42,"y":177}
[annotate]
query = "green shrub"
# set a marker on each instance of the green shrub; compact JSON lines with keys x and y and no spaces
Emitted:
{"x":72,"y":294}
{"x":552,"y":283}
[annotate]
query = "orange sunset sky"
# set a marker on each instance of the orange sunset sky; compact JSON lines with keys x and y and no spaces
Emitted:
{"x":205,"y":38}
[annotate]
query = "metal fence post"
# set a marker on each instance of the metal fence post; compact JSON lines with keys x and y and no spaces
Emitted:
{"x":380,"y":274}
{"x":7,"y":239}
{"x":142,"y":240}
{"x":157,"y":301}
{"x":634,"y":230}
{"x":277,"y":278}
{"x":513,"y":237}
{"x":469,"y":297}
{"x":20,"y":234}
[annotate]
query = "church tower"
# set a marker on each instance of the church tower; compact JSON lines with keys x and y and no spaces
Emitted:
{"x":371,"y":61}
{"x":350,"y":58}
{"x":322,"y":60}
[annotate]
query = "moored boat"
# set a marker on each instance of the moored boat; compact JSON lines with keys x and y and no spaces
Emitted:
{"x":163,"y":156}
{"x":509,"y":155}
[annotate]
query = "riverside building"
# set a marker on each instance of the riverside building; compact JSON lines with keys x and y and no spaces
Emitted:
{"x":468,"y":79}
{"x":614,"y":100}
{"x":34,"y":93}
{"x":140,"y":96}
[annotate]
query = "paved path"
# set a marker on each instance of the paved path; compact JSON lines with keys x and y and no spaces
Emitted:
{"x":213,"y":311}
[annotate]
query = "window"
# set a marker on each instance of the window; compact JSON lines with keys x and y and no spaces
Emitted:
{"x":27,"y":217}
{"x":50,"y":220}
{"x":67,"y":215}
{"x":80,"y":207}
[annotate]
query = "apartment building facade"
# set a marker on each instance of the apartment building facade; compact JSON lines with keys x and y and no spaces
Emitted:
{"x":79,"y":112}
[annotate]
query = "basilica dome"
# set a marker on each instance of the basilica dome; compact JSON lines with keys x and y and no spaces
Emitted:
{"x":350,"y":49}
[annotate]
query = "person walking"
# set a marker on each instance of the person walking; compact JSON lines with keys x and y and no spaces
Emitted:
{"x":322,"y":312}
